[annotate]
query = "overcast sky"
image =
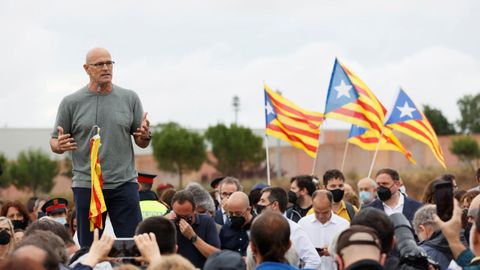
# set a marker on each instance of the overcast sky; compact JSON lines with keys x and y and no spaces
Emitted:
{"x":187,"y":59}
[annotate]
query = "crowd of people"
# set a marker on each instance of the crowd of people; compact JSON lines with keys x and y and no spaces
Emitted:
{"x":315,"y":224}
{"x":309,"y":226}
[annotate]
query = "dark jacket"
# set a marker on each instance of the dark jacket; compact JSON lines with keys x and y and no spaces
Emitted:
{"x":219,"y":216}
{"x":147,"y":195}
{"x":437,"y":248}
{"x":410,"y":206}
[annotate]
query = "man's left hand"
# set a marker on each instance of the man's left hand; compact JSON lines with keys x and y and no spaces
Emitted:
{"x":186,"y":229}
{"x":143,"y":132}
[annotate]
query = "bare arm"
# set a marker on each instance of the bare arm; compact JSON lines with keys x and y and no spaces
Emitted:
{"x":204,"y":248}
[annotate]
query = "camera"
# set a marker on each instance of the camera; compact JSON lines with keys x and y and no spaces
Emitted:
{"x":411,"y":255}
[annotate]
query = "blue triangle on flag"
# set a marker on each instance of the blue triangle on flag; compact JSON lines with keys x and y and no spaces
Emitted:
{"x":403,"y":110}
{"x":341,"y":90}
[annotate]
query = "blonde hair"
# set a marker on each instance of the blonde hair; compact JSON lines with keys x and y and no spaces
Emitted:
{"x":172,"y":262}
{"x":12,"y":243}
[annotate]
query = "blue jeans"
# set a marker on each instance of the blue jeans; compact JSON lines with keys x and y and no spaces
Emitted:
{"x":123,"y":208}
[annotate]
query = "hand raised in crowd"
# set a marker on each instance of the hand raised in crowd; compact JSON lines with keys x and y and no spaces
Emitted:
{"x":186,"y":229}
{"x":148,"y":247}
{"x":65,"y":142}
{"x":451,"y":229}
{"x":99,"y":249}
{"x":143,"y":132}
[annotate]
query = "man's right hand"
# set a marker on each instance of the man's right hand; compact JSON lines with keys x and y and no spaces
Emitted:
{"x":64,"y":142}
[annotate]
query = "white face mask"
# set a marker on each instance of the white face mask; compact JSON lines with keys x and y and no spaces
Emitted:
{"x":403,"y":189}
{"x":61,"y":220}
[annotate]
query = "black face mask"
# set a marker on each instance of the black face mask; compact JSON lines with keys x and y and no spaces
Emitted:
{"x":337,"y":194}
{"x":384,"y":193}
{"x":292,"y":197}
{"x":4,"y":237}
{"x":260,"y":208}
{"x":237,"y":222}
{"x":19,"y":224}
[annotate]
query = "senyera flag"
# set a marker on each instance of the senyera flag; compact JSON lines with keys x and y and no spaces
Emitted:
{"x":287,"y":121}
{"x":368,"y":140}
{"x":349,"y":99}
{"x":408,"y":119}
{"x":97,"y":201}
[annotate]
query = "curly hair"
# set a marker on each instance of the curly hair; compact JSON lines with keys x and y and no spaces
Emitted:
{"x":19,"y":206}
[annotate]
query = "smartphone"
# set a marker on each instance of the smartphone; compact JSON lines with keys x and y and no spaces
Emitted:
{"x":444,"y":199}
{"x":124,"y":248}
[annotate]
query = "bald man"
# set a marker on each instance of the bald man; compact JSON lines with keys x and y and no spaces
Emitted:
{"x":119,"y":114}
{"x":234,"y":234}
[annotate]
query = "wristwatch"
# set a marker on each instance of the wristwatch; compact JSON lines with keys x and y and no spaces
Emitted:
{"x":194,"y":238}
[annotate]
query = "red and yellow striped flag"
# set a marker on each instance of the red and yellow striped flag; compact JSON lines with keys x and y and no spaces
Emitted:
{"x":368,"y":140}
{"x":97,"y":201}
{"x":288,"y":122}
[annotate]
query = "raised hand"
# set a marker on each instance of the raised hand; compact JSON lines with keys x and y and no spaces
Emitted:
{"x":65,"y":141}
{"x":143,"y":132}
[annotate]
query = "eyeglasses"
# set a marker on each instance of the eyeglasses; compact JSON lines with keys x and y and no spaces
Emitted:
{"x":226,"y":194}
{"x":101,"y":64}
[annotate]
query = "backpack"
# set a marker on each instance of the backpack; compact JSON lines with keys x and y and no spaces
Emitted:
{"x":350,"y":210}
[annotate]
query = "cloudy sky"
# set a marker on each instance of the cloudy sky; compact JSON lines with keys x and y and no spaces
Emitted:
{"x":187,"y":59}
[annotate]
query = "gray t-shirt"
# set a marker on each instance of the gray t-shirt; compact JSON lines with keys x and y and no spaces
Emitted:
{"x":118,"y":114}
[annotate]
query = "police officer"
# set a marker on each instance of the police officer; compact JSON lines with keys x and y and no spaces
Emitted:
{"x":57,"y":209}
{"x":149,"y":204}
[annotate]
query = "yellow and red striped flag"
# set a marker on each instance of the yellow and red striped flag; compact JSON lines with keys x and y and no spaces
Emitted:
{"x":288,"y":122}
{"x":406,"y":118}
{"x":368,"y":140}
{"x":97,"y":201}
{"x":349,"y":99}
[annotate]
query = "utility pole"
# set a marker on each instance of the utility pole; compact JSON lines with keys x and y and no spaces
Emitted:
{"x":236,"y":107}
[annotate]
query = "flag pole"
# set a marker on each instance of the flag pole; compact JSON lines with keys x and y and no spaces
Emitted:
{"x":376,"y":152}
{"x":318,"y":146}
{"x":268,"y":160}
{"x":344,"y":155}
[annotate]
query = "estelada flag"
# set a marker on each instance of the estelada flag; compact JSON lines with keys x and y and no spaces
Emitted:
{"x":97,"y":201}
{"x":368,"y":140}
{"x":408,"y":119}
{"x":289,"y":122}
{"x":349,"y":99}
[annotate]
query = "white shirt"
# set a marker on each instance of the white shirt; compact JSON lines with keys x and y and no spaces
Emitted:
{"x":396,"y":209}
{"x":304,"y":246}
{"x":323,"y":235}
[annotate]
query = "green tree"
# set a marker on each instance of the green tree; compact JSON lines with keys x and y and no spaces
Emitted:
{"x":439,"y":122}
{"x":469,"y":107}
{"x":466,"y":149}
{"x":236,"y":148}
{"x":34,"y":170}
{"x":5,"y":178}
{"x":178,"y":150}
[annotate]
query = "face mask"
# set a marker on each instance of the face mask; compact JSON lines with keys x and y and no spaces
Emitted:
{"x":237,"y":222}
{"x":337,"y":194}
{"x":365,"y":196}
{"x":19,"y":224}
{"x":403,"y":189}
{"x":4,"y":237}
{"x":384,"y":193}
{"x":260,"y":208}
{"x":292,"y":197}
{"x":61,"y":220}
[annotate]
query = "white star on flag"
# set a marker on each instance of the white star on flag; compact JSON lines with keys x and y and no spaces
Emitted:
{"x":269,"y":109}
{"x":406,"y":110}
{"x":343,"y":90}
